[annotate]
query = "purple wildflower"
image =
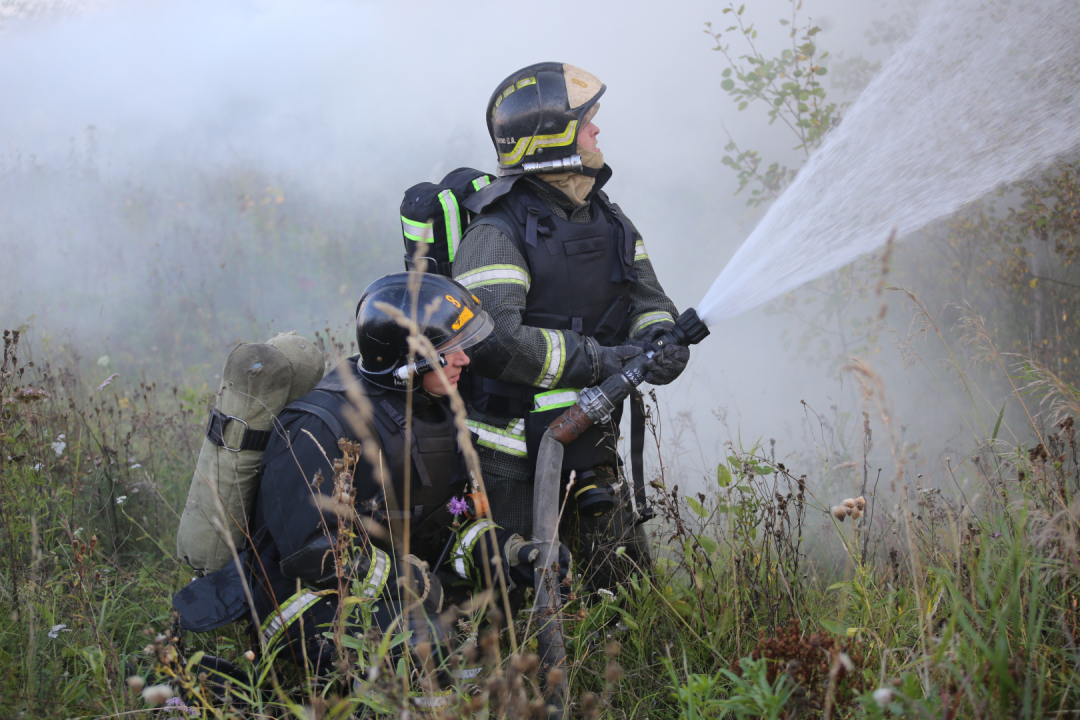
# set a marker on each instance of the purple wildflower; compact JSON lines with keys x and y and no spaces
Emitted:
{"x":997,"y":535}
{"x":175,"y":703}
{"x":458,"y":506}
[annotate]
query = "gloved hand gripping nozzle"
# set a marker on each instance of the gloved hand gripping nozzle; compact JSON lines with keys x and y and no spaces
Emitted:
{"x":596,"y":404}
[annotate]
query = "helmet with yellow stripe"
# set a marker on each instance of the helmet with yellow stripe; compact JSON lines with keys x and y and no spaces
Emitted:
{"x":399,"y":304}
{"x":535,"y":116}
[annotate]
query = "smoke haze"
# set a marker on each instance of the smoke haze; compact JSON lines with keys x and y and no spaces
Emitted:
{"x":179,"y":176}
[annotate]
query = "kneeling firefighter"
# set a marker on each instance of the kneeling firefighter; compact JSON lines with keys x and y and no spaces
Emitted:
{"x":331,"y":521}
{"x":573,"y":296}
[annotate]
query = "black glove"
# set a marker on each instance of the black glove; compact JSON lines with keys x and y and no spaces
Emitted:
{"x":612,"y":359}
{"x":667,"y":364}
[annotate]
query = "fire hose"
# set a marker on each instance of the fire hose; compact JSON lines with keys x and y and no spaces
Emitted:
{"x":595,"y":405}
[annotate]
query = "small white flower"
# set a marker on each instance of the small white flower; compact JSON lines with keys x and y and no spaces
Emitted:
{"x":57,"y":629}
{"x":136,"y":465}
{"x":606,"y":594}
{"x":59,"y":445}
{"x":120,"y":500}
{"x":883,"y":696}
{"x":157,"y":694}
{"x":38,"y":467}
{"x":845,"y":660}
{"x":76,"y":533}
{"x":103,"y":361}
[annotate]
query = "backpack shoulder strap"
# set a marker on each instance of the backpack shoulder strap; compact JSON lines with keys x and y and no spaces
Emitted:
{"x":414,"y":447}
{"x":485,"y":196}
{"x":518,"y":213}
{"x":315,"y":404}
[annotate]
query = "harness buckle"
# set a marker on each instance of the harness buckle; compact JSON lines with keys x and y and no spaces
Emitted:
{"x":224,"y":420}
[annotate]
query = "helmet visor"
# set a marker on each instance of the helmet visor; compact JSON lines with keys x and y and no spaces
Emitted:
{"x":475,"y":330}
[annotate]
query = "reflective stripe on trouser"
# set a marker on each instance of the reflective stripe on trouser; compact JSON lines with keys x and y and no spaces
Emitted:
{"x":418,"y":231}
{"x":646,"y":319}
{"x":421,"y":702}
{"x":371,"y":586}
{"x":555,"y":399}
{"x":466,"y":544}
{"x":275,"y":625}
{"x":373,"y":583}
{"x":510,"y":439}
{"x":429,"y":702}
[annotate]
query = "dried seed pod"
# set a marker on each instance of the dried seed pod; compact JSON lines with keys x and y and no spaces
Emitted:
{"x":157,"y":694}
{"x":614,"y":673}
{"x":839,"y":512}
{"x":849,"y":503}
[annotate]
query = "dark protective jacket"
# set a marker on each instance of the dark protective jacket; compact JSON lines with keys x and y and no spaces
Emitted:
{"x":292,"y":535}
{"x":579,"y":278}
{"x":290,"y":531}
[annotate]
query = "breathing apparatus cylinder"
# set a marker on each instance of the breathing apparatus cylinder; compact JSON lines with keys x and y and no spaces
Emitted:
{"x":258,"y":380}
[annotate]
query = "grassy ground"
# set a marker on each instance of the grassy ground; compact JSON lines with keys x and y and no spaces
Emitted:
{"x":915,"y":598}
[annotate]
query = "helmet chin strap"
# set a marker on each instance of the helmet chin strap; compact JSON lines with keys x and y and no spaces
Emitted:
{"x":570,"y":164}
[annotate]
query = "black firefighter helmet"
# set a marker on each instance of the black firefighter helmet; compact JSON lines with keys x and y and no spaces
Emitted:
{"x":446,"y":313}
{"x":536,"y":113}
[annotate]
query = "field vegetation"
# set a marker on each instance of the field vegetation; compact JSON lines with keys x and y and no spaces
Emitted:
{"x":768,"y":599}
{"x":852,"y":579}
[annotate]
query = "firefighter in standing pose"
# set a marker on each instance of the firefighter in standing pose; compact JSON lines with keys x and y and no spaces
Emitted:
{"x":572,"y":295}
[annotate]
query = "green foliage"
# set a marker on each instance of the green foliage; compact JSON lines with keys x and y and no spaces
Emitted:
{"x":746,"y":694}
{"x":831,"y":314}
{"x":949,"y":609}
{"x":786,"y":85}
{"x":1014,"y":256}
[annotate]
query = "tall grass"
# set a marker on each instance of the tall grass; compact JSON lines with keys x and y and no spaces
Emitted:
{"x":935,"y":598}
